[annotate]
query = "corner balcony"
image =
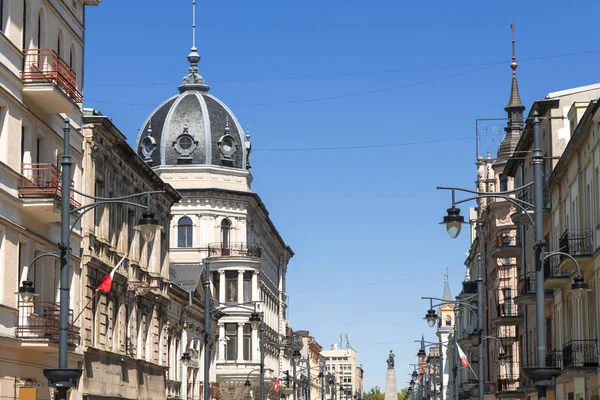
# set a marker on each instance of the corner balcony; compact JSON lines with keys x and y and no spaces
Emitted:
{"x":580,"y":359}
{"x":579,"y":243}
{"x":508,"y":384}
{"x":37,"y":325}
{"x":526,"y":290}
{"x":49,"y":84}
{"x":507,"y":315}
{"x":245,"y":250}
{"x":554,"y":277}
{"x":506,"y":244}
{"x":40,"y":192}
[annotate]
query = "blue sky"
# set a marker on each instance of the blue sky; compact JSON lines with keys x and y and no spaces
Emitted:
{"x":314,"y":74}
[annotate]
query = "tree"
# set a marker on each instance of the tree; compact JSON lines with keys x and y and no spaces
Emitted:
{"x":374,"y":394}
{"x":403,"y":394}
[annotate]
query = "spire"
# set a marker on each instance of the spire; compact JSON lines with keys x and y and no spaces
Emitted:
{"x":193,"y":80}
{"x":514,"y":102}
{"x":447,"y":296}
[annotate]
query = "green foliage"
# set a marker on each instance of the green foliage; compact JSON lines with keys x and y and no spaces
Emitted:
{"x":374,"y":394}
{"x":402,"y":394}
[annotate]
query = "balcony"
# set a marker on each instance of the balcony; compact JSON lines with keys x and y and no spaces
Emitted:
{"x":526,"y":290}
{"x":41,"y":193}
{"x":508,"y":384}
{"x":49,"y":83}
{"x":554,"y":359}
{"x":173,"y":389}
{"x":579,"y":243}
{"x":234,"y":250}
{"x":506,"y":244}
{"x":554,"y":277}
{"x":507,"y":315}
{"x":580,"y":358}
{"x":519,"y":217}
{"x":38,"y":324}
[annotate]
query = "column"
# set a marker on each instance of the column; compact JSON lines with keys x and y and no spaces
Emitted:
{"x":240,"y":284}
{"x":240,"y":342}
{"x":221,"y":342}
{"x":222,"y":287}
{"x":255,"y":294}
{"x":184,"y":369}
{"x":255,"y":355}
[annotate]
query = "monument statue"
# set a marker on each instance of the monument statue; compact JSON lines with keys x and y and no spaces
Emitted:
{"x":391,"y":392}
{"x":390,"y":360}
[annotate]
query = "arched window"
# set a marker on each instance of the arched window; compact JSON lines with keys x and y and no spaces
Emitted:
{"x":448,"y":320}
{"x":185,"y":233}
{"x":225,"y":231}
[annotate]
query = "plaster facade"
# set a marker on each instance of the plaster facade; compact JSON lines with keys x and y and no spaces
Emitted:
{"x":35,"y":97}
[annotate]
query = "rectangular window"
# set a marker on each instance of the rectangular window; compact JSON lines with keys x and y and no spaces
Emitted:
{"x":216,"y":285}
{"x":247,"y":287}
{"x":231,"y":342}
{"x":20,"y":263}
{"x":231,"y":286}
{"x":247,"y":342}
{"x":503,"y":183}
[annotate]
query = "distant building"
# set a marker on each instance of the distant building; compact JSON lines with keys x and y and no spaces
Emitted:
{"x":342,"y":364}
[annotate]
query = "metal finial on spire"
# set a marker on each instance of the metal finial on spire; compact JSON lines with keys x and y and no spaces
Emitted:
{"x":514,"y":102}
{"x":193,"y":24}
{"x":150,"y":127}
{"x":227,"y":124}
{"x":193,"y":80}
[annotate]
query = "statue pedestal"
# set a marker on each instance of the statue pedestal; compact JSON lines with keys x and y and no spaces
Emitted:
{"x":391,"y":391}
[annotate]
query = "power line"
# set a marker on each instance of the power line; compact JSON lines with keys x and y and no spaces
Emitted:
{"x":349,"y":74}
{"x":367,"y":146}
{"x":348,"y":95}
{"x":342,"y":96}
{"x":362,"y":284}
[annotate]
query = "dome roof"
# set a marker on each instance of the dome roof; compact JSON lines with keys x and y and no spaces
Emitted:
{"x":193,"y":127}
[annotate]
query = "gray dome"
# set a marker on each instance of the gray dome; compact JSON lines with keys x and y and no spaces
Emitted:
{"x":193,"y":127}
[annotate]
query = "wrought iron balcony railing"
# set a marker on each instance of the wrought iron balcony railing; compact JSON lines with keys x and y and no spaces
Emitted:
{"x":45,"y":66}
{"x":552,"y":268}
{"x":38,"y":320}
{"x":42,"y":180}
{"x":577,"y":242}
{"x":508,"y":309}
{"x":527,"y":284}
{"x":580,"y":353}
{"x":554,"y":359}
{"x":234,"y":250}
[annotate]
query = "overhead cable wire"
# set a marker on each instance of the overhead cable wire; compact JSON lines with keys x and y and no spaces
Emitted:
{"x":349,"y":74}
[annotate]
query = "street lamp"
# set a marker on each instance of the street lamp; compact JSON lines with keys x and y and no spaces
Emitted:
{"x":453,"y":221}
{"x":64,"y":378}
{"x":431,"y":317}
{"x":541,"y":375}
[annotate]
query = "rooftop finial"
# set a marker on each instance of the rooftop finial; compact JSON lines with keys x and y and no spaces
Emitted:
{"x":193,"y":80}
{"x":514,"y":101}
{"x":193,"y":24}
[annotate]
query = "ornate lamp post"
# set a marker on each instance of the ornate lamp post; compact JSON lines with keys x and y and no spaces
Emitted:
{"x":64,"y":378}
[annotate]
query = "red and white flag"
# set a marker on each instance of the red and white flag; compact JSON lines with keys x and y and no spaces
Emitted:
{"x":276,"y":385}
{"x":108,"y":279}
{"x":463,"y":358}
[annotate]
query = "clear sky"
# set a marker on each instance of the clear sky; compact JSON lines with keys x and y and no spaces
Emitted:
{"x":413,"y":75}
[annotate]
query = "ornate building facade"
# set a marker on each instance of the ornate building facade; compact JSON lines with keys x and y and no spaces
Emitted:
{"x":41,"y":84}
{"x":125,"y":332}
{"x":195,"y":143}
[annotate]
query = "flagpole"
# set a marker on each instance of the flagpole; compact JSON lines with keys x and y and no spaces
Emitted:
{"x":98,"y":288}
{"x":85,"y":307}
